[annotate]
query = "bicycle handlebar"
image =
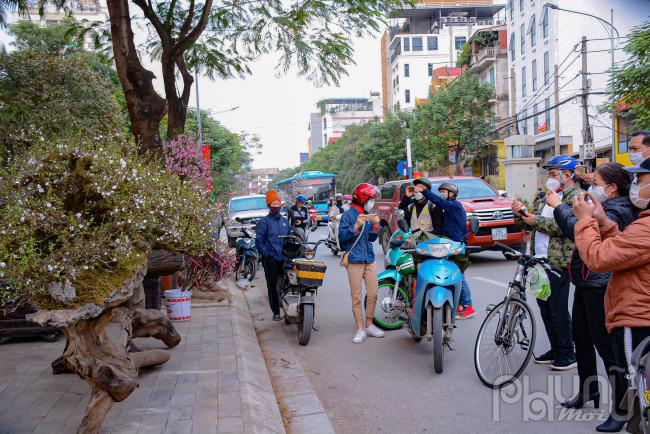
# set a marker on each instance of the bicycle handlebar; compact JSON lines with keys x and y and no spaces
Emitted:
{"x":531,"y":259}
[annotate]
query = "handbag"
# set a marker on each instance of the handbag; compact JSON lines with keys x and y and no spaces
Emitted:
{"x":345,"y":258}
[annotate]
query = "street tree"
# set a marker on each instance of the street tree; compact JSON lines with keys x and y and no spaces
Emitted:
{"x":629,"y":83}
{"x":222,"y":40}
{"x":456,"y":121}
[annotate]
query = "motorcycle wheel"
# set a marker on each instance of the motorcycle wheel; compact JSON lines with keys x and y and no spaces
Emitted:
{"x":388,"y":320}
{"x":305,"y":326}
{"x":384,"y":238}
{"x":247,"y":270}
{"x":438,"y":335}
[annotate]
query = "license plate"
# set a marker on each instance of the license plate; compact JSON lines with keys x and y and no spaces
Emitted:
{"x":499,"y":234}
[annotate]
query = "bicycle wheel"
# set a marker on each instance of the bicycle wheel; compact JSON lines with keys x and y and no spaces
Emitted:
{"x":504,"y":348}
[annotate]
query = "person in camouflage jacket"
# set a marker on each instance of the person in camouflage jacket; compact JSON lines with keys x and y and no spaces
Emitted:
{"x":548,"y":240}
{"x":560,"y":247}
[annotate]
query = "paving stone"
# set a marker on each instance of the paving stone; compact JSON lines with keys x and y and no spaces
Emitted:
{"x":230,"y":425}
{"x":179,"y":427}
{"x":317,"y":423}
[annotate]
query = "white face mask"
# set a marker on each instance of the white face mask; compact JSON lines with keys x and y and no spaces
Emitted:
{"x":635,"y":192}
{"x":369,"y":205}
{"x":637,"y":158}
{"x":418,"y":196}
{"x":552,"y":184}
{"x":599,"y":193}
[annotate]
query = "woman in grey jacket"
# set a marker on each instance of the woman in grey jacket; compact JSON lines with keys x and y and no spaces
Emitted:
{"x":610,"y":187}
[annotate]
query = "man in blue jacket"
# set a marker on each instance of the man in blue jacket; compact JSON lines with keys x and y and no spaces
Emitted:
{"x":269,"y":245}
{"x":454,"y":227}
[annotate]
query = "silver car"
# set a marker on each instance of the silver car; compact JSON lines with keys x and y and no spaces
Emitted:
{"x":245,"y":209}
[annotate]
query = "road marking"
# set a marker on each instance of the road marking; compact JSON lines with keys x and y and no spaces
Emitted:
{"x":491,"y":281}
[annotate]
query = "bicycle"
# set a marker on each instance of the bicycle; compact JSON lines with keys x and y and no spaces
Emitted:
{"x":515,"y":327}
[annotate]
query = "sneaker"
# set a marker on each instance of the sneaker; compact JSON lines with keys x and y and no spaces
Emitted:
{"x":545,"y":358}
{"x":459,"y":309}
{"x":564,"y":364}
{"x":374,"y":332}
{"x":359,"y":337}
{"x":467,"y":312}
{"x":276,"y":317}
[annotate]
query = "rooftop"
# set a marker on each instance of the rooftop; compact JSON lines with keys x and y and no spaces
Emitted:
{"x":479,"y":11}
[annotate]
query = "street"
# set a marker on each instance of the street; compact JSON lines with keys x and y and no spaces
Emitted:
{"x":388,"y":385}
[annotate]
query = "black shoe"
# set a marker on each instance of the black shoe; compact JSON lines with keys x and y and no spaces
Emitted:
{"x":614,"y":423}
{"x":579,"y":401}
{"x":545,"y":358}
{"x":276,"y":317}
{"x":564,"y":364}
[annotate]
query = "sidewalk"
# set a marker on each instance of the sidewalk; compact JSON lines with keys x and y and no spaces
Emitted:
{"x":215,"y":382}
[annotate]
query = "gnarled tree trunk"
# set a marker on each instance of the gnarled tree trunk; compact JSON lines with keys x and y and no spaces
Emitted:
{"x":146,"y":107}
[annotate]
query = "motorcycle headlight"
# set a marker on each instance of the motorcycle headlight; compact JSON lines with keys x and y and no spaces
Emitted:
{"x":310,"y":254}
{"x":433,"y":250}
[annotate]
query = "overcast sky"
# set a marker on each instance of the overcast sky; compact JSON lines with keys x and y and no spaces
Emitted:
{"x":277,"y":108}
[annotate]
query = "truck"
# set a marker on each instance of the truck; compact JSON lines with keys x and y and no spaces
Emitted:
{"x":479,"y":199}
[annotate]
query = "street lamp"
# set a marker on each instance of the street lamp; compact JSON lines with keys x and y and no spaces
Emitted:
{"x":409,"y":168}
{"x":610,"y":31}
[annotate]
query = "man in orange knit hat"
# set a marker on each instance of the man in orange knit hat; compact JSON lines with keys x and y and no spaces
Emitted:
{"x":269,"y":245}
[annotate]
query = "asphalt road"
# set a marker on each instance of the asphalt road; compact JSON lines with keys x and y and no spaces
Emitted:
{"x":388,"y":385}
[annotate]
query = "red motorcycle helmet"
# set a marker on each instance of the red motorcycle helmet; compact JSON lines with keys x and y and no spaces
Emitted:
{"x":363,"y":192}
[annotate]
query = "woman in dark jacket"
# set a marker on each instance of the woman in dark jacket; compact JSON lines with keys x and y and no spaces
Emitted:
{"x":611,"y":186}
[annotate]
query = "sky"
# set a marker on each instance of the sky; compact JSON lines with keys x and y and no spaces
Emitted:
{"x":277,"y":108}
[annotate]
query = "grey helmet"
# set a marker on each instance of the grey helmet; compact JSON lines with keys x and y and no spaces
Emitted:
{"x":450,"y":187}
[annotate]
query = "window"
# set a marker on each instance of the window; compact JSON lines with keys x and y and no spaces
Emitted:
{"x":522,"y":42}
{"x":512,"y":46}
{"x":432,"y":43}
{"x":407,"y":44}
{"x":523,"y":128}
{"x":534,"y":74}
{"x":459,"y":41}
{"x":521,"y":5}
{"x":324,"y":123}
{"x":493,"y":80}
{"x":324,"y":139}
{"x":406,"y":70}
{"x":407,"y":96}
{"x":546,"y":68}
{"x":430,"y":69}
{"x":535,"y":120}
{"x":416,"y":43}
{"x":545,"y":23}
{"x":511,"y":10}
{"x":387,"y":191}
{"x":523,"y":81}
{"x":547,"y":113}
{"x":532,"y":29}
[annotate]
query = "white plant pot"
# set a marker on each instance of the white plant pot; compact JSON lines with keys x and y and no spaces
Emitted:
{"x":179,"y":304}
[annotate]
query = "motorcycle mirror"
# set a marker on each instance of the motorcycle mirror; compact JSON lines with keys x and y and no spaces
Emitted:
{"x":238,"y":219}
{"x":313,"y":228}
{"x":403,"y":225}
{"x":473,"y":225}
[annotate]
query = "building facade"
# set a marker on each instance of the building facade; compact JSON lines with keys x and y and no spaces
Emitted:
{"x":336,"y":114}
{"x":541,"y":38}
{"x":260,"y":179}
{"x":423,"y":39}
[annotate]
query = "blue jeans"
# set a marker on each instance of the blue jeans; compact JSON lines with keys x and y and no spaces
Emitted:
{"x":465,"y":298}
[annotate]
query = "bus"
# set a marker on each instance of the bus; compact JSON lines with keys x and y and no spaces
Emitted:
{"x":315,"y":185}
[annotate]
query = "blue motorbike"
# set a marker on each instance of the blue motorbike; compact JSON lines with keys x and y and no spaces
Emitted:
{"x":246,"y":254}
{"x":426,"y":295}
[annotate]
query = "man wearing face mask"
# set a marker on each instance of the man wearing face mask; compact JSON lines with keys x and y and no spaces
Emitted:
{"x":626,"y":254}
{"x":269,"y":245}
{"x":419,"y":213}
{"x":639,"y":146}
{"x":548,"y":240}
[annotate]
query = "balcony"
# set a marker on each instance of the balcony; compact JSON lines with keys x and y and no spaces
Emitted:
{"x":485,"y":57}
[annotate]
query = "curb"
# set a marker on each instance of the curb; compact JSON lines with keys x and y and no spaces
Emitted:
{"x":260,"y":410}
{"x":298,"y":400}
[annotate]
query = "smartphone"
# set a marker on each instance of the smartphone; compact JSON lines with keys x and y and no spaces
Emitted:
{"x":523,"y":212}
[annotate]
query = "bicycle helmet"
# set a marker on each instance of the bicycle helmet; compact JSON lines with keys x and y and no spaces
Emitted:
{"x":449,"y":187}
{"x":562,"y":162}
{"x":364,"y":192}
{"x":423,"y":181}
{"x":301,"y":198}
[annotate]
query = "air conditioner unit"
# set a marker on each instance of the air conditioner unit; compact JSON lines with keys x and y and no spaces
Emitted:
{"x":472,"y":19}
{"x":444,"y":19}
{"x":463,"y":19}
{"x":453,"y":19}
{"x":489,"y":22}
{"x":481,"y":23}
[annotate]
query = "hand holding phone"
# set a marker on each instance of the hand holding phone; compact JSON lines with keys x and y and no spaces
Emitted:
{"x":523,"y":212}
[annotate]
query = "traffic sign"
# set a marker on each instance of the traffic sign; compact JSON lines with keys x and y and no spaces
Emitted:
{"x":402,"y":168}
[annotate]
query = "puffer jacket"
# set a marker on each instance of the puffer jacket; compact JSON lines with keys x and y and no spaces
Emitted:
{"x":619,"y":210}
{"x":627,"y":256}
{"x":560,"y":247}
{"x":363,"y":252}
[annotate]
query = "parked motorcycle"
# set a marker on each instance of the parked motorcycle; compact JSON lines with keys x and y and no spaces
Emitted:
{"x":299,"y":284}
{"x":424,"y":296}
{"x":246,"y":254}
{"x":332,"y":241}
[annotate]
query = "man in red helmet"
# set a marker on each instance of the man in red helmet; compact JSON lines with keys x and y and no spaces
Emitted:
{"x":358,"y":229}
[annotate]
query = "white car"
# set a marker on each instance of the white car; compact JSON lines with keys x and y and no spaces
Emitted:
{"x":247,"y":209}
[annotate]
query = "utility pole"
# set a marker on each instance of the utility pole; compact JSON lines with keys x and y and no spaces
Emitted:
{"x":513,"y":101}
{"x":586,"y":151}
{"x":198,"y":107}
{"x":558,"y":151}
